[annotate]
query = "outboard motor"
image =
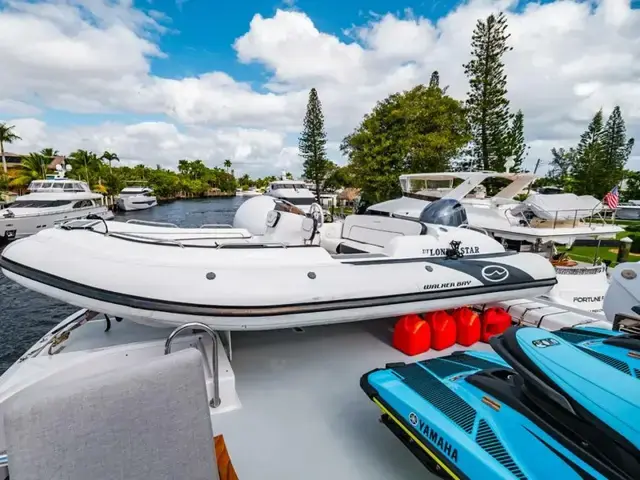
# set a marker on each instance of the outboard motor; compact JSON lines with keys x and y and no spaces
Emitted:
{"x":446,"y":211}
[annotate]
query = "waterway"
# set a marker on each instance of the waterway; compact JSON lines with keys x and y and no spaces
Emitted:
{"x":25,"y":316}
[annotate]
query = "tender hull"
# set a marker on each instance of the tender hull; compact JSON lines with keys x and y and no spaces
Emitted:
{"x":23,"y":226}
{"x":258,"y":286}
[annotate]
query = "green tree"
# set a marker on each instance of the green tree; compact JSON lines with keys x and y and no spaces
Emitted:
{"x":487,"y":103}
{"x":32,"y":167}
{"x":312,"y":144}
{"x":110,"y":157}
{"x":85,"y":165}
{"x":227,"y":164}
{"x":560,"y":173}
{"x":434,"y":82}
{"x":419,"y":130}
{"x":516,"y":147}
{"x":7,"y":135}
{"x":632,"y":186}
{"x":616,"y":149}
{"x":49,"y":152}
{"x":589,"y":158}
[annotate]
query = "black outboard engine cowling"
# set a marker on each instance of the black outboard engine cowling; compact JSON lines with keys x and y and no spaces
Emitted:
{"x":446,"y":211}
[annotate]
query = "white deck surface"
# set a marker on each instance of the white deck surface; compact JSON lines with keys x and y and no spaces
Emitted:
{"x":304,"y":415}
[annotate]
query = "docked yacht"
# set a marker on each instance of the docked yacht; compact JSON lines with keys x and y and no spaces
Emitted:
{"x":629,"y":210}
{"x":136,"y":198}
{"x":534,"y":224}
{"x":373,"y":267}
{"x":250,"y":192}
{"x":201,"y":406}
{"x":293,"y":191}
{"x":50,"y":202}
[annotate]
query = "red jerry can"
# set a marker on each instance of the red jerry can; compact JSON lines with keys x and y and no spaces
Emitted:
{"x":411,"y":335}
{"x":443,"y":329}
{"x":495,"y":321}
{"x":468,"y":326}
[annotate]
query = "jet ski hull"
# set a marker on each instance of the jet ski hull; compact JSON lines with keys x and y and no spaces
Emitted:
{"x":464,"y":416}
{"x":257,"y":286}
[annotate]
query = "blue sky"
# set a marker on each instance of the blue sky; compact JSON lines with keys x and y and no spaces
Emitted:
{"x":83,"y":74}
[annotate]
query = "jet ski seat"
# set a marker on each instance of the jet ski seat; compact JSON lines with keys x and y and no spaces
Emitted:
{"x":585,"y":386}
{"x":371,"y":233}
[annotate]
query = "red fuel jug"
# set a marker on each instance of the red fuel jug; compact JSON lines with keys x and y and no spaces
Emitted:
{"x":411,"y":335}
{"x":495,"y":320}
{"x":443,"y":329}
{"x":468,"y":326}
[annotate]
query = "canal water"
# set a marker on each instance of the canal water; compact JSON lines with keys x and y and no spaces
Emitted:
{"x":25,"y":316}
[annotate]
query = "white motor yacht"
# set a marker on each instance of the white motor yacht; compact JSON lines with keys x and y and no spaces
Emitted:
{"x":534,"y":224}
{"x":250,"y":192}
{"x":136,"y":198}
{"x":295,"y":192}
{"x":50,"y":202}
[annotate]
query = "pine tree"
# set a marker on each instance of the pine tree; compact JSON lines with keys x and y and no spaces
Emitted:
{"x":517,"y":148}
{"x":616,"y":150}
{"x":434,"y":82}
{"x":589,"y":157}
{"x":312,"y":143}
{"x":487,"y":104}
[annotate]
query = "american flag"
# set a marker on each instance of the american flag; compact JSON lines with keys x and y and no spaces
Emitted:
{"x":612,"y":198}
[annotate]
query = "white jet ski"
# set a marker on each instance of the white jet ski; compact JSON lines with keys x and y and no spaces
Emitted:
{"x":280,"y":279}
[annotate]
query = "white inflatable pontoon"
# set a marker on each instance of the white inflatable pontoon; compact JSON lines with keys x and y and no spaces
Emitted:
{"x":231,"y":280}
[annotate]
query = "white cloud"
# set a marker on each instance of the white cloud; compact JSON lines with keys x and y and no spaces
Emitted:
{"x":569,"y":59}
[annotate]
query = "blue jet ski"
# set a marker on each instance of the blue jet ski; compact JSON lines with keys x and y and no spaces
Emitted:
{"x":616,"y":349}
{"x":542,"y":407}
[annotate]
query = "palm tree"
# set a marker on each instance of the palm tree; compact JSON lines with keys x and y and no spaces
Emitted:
{"x":6,"y":136}
{"x":50,"y":152}
{"x":32,"y":167}
{"x":110,"y":157}
{"x":227,"y":164}
{"x":84,"y":161}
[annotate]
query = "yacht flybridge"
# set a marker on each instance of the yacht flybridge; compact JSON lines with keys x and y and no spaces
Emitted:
{"x":226,"y":276}
{"x":295,"y":192}
{"x":50,"y":202}
{"x":538,"y":219}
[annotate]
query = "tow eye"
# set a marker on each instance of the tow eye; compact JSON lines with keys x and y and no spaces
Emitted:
{"x":454,"y":252}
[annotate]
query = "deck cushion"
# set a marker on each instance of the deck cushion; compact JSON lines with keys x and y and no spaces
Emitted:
{"x":378,"y":230}
{"x":147,"y":422}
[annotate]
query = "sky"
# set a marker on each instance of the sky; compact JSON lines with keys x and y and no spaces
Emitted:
{"x":160,"y":80}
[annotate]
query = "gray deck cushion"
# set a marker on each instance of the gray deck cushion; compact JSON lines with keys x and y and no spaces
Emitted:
{"x":378,"y":230}
{"x":147,"y":422}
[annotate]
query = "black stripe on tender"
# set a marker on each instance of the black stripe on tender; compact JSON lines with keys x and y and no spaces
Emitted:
{"x":437,"y":394}
{"x":143,"y":303}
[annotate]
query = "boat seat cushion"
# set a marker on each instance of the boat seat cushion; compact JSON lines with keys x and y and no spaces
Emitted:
{"x":151,"y":421}
{"x":378,"y":230}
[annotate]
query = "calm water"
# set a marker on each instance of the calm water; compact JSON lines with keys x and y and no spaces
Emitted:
{"x":25,"y":316}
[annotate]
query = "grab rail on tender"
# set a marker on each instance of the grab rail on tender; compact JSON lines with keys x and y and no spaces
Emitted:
{"x":216,"y":225}
{"x":249,"y":245}
{"x":152,"y":223}
{"x":215,"y":401}
{"x":144,"y":237}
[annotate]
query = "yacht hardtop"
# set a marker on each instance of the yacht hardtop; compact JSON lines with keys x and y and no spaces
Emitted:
{"x":292,"y":191}
{"x":539,"y":218}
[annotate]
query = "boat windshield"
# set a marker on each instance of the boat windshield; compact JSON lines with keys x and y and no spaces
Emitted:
{"x":38,"y":203}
